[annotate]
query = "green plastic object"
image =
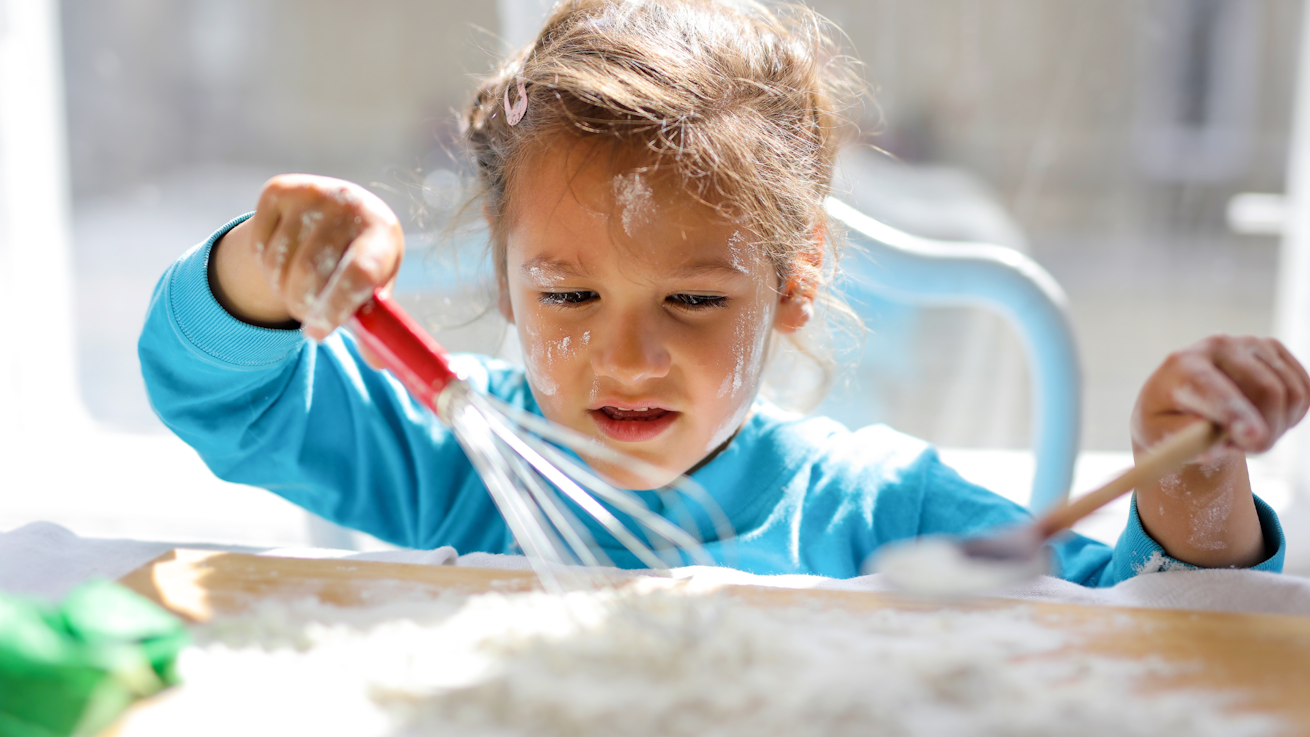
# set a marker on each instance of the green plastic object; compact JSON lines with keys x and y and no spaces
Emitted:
{"x":72,"y":668}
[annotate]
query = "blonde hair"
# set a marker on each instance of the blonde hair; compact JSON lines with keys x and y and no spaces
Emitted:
{"x":744,"y":104}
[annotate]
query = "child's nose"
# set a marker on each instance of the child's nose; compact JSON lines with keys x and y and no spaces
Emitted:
{"x":631,"y":353}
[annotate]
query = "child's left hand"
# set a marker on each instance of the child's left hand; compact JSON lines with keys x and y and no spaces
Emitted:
{"x":1251,"y":387}
{"x":1255,"y":390}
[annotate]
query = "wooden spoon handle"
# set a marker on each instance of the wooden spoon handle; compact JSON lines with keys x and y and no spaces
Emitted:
{"x":1164,"y":458}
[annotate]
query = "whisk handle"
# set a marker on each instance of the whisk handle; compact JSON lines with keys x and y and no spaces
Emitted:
{"x":411,"y":354}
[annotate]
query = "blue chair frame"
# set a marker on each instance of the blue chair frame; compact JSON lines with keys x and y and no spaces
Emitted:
{"x":905,"y":268}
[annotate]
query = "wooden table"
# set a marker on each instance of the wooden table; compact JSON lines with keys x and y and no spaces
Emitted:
{"x":1265,"y":659}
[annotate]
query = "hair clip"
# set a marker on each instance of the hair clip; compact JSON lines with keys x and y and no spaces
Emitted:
{"x":514,"y":114}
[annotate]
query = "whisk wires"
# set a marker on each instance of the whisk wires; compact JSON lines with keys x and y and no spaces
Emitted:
{"x":525,"y":463}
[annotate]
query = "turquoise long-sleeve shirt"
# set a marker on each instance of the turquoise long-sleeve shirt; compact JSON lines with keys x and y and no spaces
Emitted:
{"x":316,"y":425}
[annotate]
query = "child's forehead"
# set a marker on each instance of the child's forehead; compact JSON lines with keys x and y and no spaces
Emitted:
{"x":582,"y":204}
{"x":607,"y":180}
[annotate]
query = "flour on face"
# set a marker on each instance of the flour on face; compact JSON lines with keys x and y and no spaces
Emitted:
{"x":544,"y":277}
{"x":543,"y":356}
{"x":635,"y":201}
{"x":538,"y":362}
{"x":737,"y":251}
{"x":750,"y":334}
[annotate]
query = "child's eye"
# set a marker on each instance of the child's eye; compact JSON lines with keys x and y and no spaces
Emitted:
{"x":697,"y":301}
{"x":566,"y":298}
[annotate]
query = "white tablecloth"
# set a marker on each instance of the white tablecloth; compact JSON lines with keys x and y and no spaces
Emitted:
{"x":46,"y":560}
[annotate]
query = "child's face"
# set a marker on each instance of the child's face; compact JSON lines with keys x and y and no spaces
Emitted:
{"x":645,"y":318}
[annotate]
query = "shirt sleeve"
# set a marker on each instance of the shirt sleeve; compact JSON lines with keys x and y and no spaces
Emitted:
{"x":311,"y":422}
{"x":1138,"y":553}
{"x":952,"y":505}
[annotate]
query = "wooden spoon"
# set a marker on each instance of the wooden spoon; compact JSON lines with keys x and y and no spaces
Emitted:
{"x":940,"y":566}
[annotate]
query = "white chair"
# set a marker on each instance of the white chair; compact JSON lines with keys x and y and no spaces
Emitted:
{"x":904,"y":268}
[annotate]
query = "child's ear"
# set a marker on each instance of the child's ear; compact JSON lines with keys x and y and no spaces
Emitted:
{"x":796,"y":306}
{"x":795,"y":310}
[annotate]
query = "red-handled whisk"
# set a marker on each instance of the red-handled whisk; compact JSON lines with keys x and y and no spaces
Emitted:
{"x":417,"y":360}
{"x":522,"y":460}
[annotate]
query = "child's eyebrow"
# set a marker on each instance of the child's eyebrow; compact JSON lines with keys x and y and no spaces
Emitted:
{"x":713,"y":268}
{"x":545,"y":269}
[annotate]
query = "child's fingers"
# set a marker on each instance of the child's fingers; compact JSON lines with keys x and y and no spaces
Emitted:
{"x":1298,"y":380}
{"x":325,"y":234}
{"x":1293,"y":391}
{"x":315,"y":250}
{"x":371,"y":261}
{"x":1261,"y":385}
{"x":1210,"y":393}
{"x":1252,"y":387}
{"x":274,"y":229}
{"x":265,"y":220}
{"x":278,"y":251}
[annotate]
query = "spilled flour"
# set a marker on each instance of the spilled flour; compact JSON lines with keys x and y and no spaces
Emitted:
{"x":1157,"y":562}
{"x":654,"y":662}
{"x":935,"y":566}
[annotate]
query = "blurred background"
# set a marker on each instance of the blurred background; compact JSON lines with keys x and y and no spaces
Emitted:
{"x":1122,"y":144}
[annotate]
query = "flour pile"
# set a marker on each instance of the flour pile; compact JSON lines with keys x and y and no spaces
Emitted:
{"x":659,"y":662}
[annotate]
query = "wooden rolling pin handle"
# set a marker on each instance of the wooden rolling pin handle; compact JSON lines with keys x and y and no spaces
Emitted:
{"x":1161,"y":460}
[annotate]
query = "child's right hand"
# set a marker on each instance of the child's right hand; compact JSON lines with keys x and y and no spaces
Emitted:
{"x":314,"y":251}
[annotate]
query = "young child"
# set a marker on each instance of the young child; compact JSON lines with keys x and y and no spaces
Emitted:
{"x":653,"y":173}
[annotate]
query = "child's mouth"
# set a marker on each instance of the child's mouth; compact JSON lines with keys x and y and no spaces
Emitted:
{"x":633,"y":424}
